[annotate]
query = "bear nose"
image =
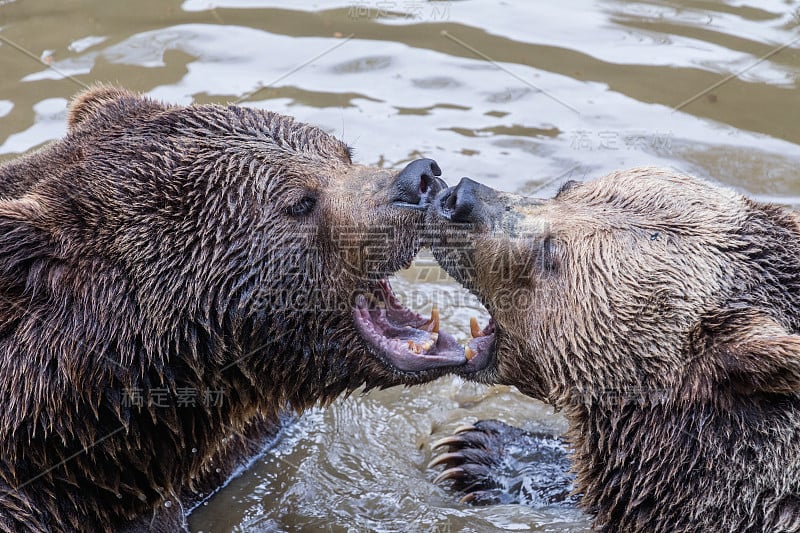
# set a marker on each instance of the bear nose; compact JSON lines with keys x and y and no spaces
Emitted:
{"x":418,"y":184}
{"x":463,"y":203}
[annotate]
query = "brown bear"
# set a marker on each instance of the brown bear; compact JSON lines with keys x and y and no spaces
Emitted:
{"x":172,"y":278}
{"x":661,"y":313}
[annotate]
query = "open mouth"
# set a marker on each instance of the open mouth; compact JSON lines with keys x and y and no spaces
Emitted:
{"x":412,"y":343}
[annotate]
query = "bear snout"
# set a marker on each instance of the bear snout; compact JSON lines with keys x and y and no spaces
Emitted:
{"x":469,"y":202}
{"x":417,"y":184}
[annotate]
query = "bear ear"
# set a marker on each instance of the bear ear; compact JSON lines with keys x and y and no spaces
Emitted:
{"x":90,"y":103}
{"x":21,"y":241}
{"x":765,"y":359}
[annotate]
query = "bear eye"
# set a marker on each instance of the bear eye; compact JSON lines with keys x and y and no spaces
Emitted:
{"x":302,"y":207}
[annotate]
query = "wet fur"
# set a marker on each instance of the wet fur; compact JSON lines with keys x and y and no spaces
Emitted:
{"x":661,"y":313}
{"x":153,"y":248}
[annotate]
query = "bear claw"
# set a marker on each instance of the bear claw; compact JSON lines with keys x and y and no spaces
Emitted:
{"x":464,"y":429}
{"x":491,"y":462}
{"x":450,"y":473}
{"x":452,"y":440}
{"x":444,"y":458}
{"x":485,"y":497}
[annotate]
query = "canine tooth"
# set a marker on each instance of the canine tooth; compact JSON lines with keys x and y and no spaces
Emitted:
{"x":432,"y":325}
{"x":469,"y":353}
{"x":475,"y":328}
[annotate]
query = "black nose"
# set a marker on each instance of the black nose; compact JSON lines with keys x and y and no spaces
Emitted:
{"x":418,"y":184}
{"x":466,"y":202}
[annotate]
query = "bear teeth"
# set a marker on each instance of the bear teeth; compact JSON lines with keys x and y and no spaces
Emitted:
{"x":432,"y":325}
{"x":475,"y":328}
{"x":423,"y":347}
{"x":477,"y":332}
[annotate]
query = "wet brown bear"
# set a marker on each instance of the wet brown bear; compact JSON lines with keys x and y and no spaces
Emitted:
{"x":174,"y":277}
{"x":662,"y":314}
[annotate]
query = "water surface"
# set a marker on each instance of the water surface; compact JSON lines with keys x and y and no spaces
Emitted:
{"x":521,"y":95}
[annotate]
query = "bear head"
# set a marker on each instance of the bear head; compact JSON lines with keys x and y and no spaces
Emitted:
{"x":160,"y":254}
{"x":642,"y":285}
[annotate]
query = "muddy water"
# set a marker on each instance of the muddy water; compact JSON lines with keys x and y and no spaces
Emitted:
{"x":521,"y":95}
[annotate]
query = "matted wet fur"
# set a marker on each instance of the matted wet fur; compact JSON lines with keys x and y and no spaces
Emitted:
{"x":661,"y":313}
{"x":171,"y":279}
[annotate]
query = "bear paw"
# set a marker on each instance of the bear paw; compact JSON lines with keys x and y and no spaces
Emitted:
{"x":494,"y":463}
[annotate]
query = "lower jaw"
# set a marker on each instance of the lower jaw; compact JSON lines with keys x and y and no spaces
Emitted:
{"x":481,"y":355}
{"x":400,"y":337}
{"x":410,"y":343}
